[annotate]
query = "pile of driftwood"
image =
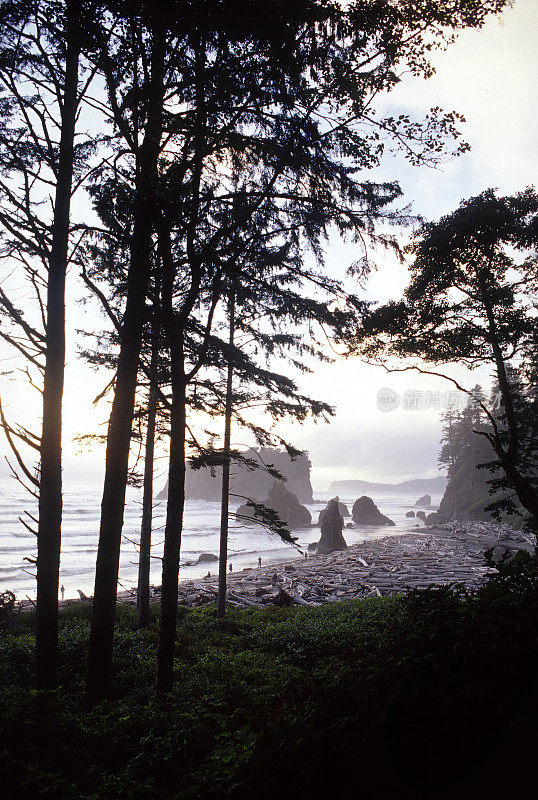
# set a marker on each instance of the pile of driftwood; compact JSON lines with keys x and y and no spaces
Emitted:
{"x":493,"y":533}
{"x":452,"y":553}
{"x":391,"y":565}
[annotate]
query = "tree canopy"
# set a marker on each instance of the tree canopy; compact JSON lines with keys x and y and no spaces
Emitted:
{"x":230,"y":138}
{"x":472,"y":299}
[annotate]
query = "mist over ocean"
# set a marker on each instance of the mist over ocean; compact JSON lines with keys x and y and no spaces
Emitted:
{"x":200,"y":535}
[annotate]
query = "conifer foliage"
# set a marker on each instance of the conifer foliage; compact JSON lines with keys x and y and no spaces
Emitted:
{"x":472,"y":299}
{"x":230,"y":137}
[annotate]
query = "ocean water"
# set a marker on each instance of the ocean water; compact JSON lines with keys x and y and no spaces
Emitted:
{"x":200,"y":535}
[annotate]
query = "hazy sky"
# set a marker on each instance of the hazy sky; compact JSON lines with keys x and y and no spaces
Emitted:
{"x":490,"y":76}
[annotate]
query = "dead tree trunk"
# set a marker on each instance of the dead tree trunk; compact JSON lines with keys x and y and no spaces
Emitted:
{"x":50,"y":486}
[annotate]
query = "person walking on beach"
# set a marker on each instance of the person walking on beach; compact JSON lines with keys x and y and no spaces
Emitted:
{"x":259,"y":562}
{"x":230,"y":567}
{"x":62,"y":590}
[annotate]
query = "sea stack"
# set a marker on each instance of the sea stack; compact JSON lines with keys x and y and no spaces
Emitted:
{"x":331,"y":529}
{"x":249,"y":476}
{"x":424,"y":502}
{"x":365,"y":512}
{"x":286,"y":505}
{"x":341,"y":507}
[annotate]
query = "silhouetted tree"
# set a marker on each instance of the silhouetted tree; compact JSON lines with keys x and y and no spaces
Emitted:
{"x":281,"y":104}
{"x":225,"y":495}
{"x":208,"y":100}
{"x":40,"y":98}
{"x":137,"y":111}
{"x":472,"y":299}
{"x":144,"y":558}
{"x":458,"y":429}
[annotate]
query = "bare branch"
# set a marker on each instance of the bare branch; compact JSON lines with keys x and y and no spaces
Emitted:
{"x":8,"y":431}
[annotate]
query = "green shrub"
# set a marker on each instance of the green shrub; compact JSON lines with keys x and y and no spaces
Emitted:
{"x":267,"y":699}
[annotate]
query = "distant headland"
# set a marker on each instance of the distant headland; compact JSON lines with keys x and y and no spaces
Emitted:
{"x":414,"y":486}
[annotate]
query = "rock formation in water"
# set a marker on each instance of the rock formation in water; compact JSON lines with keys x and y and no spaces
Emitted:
{"x":425,"y":501}
{"x":286,"y":505}
{"x":203,"y":558}
{"x":410,"y":514}
{"x":331,"y":529}
{"x":365,"y":512}
{"x":205,"y":483}
{"x":206,"y":558}
{"x":341,"y":507}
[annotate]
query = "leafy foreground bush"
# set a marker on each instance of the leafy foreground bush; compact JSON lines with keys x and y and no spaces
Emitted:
{"x":433,"y":694}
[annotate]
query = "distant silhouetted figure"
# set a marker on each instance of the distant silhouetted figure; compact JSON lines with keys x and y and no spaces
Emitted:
{"x":259,"y":561}
{"x":230,"y":567}
{"x":62,"y":590}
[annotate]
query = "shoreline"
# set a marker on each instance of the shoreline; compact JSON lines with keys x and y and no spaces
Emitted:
{"x":201,"y":533}
{"x":391,"y":564}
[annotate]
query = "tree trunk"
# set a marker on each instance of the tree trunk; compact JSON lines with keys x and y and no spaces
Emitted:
{"x":174,"y":523}
{"x":50,"y":488}
{"x":121,"y":418}
{"x":116,"y":471}
{"x":225,"y":496}
{"x":524,"y":490}
{"x":500,"y":368}
{"x":142,"y":596}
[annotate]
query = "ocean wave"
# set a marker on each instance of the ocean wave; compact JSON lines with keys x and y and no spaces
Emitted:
{"x":15,"y":549}
{"x":200,"y":534}
{"x":14,"y":576}
{"x":77,"y":570}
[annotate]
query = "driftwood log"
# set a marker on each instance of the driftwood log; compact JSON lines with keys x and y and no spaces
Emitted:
{"x":391,"y":565}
